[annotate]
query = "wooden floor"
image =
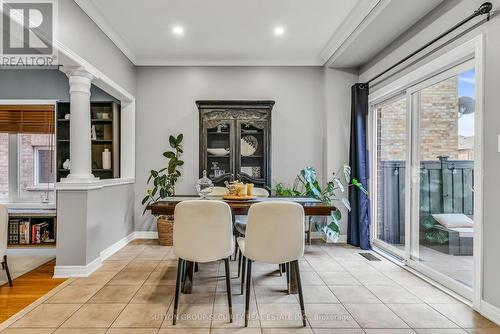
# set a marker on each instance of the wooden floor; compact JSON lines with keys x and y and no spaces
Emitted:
{"x":27,"y":288}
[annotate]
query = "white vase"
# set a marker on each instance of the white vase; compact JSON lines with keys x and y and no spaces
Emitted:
{"x":66,"y":164}
{"x":106,"y":159}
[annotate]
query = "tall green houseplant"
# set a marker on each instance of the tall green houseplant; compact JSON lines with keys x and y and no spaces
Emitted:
{"x":163,"y":181}
{"x":307,"y":184}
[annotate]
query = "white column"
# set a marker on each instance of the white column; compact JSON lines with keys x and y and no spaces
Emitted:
{"x":80,"y":136}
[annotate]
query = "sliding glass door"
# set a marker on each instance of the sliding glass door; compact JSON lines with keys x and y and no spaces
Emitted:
{"x":424,"y":141}
{"x":391,"y":135}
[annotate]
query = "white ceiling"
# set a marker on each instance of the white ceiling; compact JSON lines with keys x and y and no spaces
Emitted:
{"x":236,"y":32}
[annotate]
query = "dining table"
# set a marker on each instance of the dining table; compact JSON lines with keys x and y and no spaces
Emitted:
{"x":166,"y":207}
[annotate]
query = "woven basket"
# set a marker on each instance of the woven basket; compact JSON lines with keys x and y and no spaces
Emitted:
{"x":165,"y":226}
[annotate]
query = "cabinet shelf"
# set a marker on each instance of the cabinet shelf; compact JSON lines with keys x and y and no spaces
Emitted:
{"x":252,"y":156}
{"x":108,"y":136}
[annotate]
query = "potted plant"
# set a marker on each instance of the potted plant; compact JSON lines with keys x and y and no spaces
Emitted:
{"x":163,"y":185}
{"x":306,"y":184}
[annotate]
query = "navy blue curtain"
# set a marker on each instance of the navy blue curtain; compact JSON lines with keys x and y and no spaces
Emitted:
{"x":358,"y":228}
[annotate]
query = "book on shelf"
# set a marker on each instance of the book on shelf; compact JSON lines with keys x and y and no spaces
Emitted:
{"x":13,"y":231}
{"x":24,"y":232}
{"x":36,"y":232}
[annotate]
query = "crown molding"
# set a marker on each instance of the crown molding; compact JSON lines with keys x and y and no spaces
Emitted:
{"x":220,"y":61}
{"x":93,"y":13}
{"x":363,"y":12}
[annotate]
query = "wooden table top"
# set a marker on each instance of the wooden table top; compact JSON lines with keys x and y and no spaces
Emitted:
{"x":312,"y":207}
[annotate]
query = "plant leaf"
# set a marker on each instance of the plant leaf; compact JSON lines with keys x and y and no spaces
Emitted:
{"x":347,"y":173}
{"x":180,"y":162}
{"x":179,"y":138}
{"x":339,"y":184}
{"x":169,"y":154}
{"x":171,"y":141}
{"x":359,"y":185}
{"x":346,"y":203}
{"x":145,"y":199}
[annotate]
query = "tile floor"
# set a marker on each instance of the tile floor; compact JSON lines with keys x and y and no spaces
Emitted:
{"x":344,"y":293}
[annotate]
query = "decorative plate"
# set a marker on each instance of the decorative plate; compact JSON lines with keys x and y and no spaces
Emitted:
{"x":248,"y":145}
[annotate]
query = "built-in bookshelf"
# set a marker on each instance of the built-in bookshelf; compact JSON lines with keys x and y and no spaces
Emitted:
{"x":105,"y":135}
{"x":32,"y":228}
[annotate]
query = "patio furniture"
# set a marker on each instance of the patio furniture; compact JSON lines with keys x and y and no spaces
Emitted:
{"x":460,"y":230}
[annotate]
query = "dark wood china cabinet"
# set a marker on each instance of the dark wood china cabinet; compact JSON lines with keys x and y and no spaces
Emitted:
{"x":235,"y":141}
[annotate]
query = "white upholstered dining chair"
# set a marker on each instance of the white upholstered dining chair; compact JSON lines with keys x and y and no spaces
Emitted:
{"x":274,"y":234}
{"x":4,"y":221}
{"x":203,"y":232}
{"x":240,"y":223}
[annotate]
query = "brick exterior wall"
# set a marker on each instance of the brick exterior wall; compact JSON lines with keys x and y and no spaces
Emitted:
{"x":438,"y":124}
{"x":27,"y":143}
{"x":439,"y":120}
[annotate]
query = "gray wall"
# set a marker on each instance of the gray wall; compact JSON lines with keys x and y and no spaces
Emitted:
{"x":166,"y":105}
{"x":444,"y":17}
{"x":41,"y":84}
{"x":336,"y":123}
{"x":80,"y":34}
{"x":91,"y":221}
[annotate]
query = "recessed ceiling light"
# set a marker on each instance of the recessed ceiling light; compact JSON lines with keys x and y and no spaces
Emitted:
{"x":279,"y":30}
{"x":178,"y":30}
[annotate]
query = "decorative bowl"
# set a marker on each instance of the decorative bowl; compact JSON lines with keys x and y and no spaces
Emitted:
{"x":218,"y":151}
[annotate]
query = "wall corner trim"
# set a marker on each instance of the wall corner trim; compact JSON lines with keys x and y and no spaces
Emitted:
{"x":490,"y":311}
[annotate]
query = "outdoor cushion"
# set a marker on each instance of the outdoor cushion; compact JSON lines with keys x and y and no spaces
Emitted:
{"x":453,"y":220}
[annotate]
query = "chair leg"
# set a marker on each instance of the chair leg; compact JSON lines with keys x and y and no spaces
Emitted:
{"x":243,"y":268}
{"x":228,"y":290}
{"x":236,"y":249}
{"x":196,"y":269}
{"x":7,"y":271}
{"x":247,"y":296}
{"x":281,"y":269}
{"x":295,"y":265}
{"x":287,"y":270}
{"x":180,"y":271}
{"x":239,"y":264}
{"x":309,"y":239}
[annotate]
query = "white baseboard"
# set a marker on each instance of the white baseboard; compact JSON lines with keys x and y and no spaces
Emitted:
{"x":117,"y":246}
{"x":490,"y":311}
{"x":87,"y":270}
{"x":77,"y":271}
{"x":146,"y":235}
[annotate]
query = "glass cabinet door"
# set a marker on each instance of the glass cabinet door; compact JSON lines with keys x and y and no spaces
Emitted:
{"x":251,"y":148}
{"x":219,"y":152}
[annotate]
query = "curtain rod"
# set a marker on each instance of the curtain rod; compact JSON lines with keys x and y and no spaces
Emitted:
{"x":485,"y":8}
